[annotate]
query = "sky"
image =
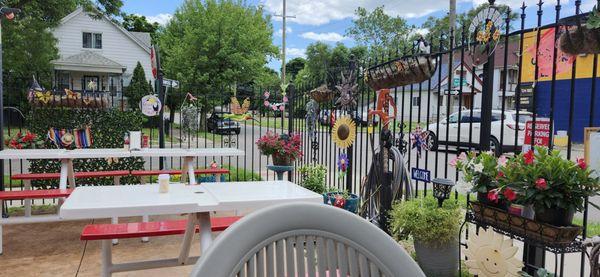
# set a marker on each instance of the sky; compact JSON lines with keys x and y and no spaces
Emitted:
{"x":327,"y":20}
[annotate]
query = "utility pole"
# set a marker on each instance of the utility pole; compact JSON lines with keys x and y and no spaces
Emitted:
{"x":284,"y":16}
{"x":452,"y":19}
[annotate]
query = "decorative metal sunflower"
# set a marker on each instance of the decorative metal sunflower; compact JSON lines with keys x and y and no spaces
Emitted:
{"x":344,"y":132}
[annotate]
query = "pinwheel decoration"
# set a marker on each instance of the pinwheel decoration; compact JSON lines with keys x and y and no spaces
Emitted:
{"x":418,"y":140}
{"x":239,"y":112}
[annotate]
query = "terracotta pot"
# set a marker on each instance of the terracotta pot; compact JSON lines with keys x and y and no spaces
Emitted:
{"x":282,"y":160}
{"x":555,"y":216}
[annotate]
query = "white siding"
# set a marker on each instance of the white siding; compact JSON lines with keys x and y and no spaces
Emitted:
{"x":115,"y":44}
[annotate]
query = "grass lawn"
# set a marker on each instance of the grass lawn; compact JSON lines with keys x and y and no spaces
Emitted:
{"x":275,"y":122}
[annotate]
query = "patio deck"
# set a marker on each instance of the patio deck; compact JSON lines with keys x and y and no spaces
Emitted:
{"x":54,"y":249}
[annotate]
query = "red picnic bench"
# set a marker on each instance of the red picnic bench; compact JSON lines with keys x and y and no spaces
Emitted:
{"x":108,"y":232}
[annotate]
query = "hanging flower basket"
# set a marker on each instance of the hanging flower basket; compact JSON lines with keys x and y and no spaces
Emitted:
{"x":579,"y":38}
{"x":322,"y":94}
{"x":400,"y":72}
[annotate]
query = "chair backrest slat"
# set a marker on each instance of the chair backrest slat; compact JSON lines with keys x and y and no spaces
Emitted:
{"x":270,"y":263}
{"x":353,"y":262}
{"x":279,"y":256}
{"x":260,"y":263}
{"x":374,"y":270}
{"x":289,"y":256}
{"x":342,"y":259}
{"x":363,"y":265}
{"x":300,"y":264}
{"x":252,"y":266}
{"x":331,"y":259}
{"x":310,"y":256}
{"x":321,"y":256}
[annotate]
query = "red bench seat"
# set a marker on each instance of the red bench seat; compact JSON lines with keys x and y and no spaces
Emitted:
{"x":35,"y":194}
{"x":177,"y":172}
{"x":148,"y":229}
{"x":50,"y":176}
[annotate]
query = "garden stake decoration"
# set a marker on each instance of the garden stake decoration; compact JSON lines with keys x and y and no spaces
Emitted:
{"x":347,"y":89}
{"x":239,"y":112}
{"x":342,"y":165}
{"x":490,"y":255}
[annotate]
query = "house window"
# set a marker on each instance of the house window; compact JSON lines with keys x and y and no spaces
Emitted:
{"x":92,"y":40}
{"x":63,"y":80}
{"x":416,"y":101}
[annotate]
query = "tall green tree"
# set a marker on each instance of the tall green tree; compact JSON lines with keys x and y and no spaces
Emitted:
{"x":294,"y":66}
{"x":379,"y":31}
{"x":138,"y":87}
{"x":29,"y":46}
{"x":211,"y":46}
{"x":318,"y":59}
{"x":138,"y":23}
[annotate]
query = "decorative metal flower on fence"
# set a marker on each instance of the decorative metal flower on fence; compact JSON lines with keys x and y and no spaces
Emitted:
{"x":489,"y":255}
{"x":418,"y":140}
{"x":344,"y":132}
{"x":347,"y":90}
{"x":274,"y":106}
{"x":342,"y":165}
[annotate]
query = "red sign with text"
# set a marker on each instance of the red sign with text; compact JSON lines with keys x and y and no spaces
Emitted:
{"x":542,"y":132}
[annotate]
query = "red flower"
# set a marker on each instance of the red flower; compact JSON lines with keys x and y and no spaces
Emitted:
{"x":29,"y":137}
{"x":529,"y":157}
{"x":493,"y":195}
{"x":509,"y":194}
{"x":339,"y":201}
{"x":581,"y":163}
{"x":500,"y":175}
{"x":541,"y":184}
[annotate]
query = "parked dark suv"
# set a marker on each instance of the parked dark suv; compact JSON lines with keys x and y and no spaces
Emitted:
{"x":217,"y":124}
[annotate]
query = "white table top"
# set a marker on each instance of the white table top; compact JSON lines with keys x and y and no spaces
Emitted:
{"x":138,"y":200}
{"x":89,"y":153}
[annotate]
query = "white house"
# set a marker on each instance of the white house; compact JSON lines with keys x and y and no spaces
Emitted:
{"x":99,"y":51}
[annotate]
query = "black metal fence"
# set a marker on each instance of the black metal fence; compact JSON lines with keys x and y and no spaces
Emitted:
{"x":527,"y":78}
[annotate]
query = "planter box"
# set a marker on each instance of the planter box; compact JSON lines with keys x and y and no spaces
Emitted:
{"x":528,"y":229}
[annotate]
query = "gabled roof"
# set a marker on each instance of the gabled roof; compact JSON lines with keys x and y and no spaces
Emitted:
{"x":91,"y":60}
{"x":143,"y":37}
{"x":142,"y":43}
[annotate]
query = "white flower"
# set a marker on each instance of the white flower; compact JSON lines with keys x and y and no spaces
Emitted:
{"x":478,"y":167}
{"x":463,"y":187}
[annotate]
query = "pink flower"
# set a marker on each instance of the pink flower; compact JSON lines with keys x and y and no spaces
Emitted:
{"x":267,"y":94}
{"x":462,"y":156}
{"x":541,"y":184}
{"x":493,"y":195}
{"x":502,"y":160}
{"x":453,"y":162}
{"x":581,"y":163}
{"x":282,"y":108}
{"x":274,"y":107}
{"x":339,"y":202}
{"x":529,"y":157}
{"x":509,"y":194}
{"x":285,"y":99}
{"x":266,"y":103}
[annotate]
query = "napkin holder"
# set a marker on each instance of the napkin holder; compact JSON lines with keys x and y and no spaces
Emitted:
{"x":135,"y":140}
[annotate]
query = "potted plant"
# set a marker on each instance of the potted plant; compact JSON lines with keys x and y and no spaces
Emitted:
{"x":480,"y":175}
{"x":434,"y":231}
{"x":284,"y":149}
{"x":555,"y":187}
{"x":342,"y":199}
{"x":24,"y":141}
{"x":313,"y":177}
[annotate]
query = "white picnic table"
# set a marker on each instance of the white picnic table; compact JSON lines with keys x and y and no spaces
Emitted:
{"x":66,"y":157}
{"x":198,"y":201}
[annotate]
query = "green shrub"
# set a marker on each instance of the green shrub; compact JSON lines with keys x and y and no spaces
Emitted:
{"x":108,"y":128}
{"x":313,"y":177}
{"x":241,"y":175}
{"x":422,"y":220}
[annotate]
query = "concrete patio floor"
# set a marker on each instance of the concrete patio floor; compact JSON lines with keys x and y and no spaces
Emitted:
{"x":54,"y":249}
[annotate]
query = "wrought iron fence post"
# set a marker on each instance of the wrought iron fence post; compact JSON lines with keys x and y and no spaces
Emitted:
{"x":161,"y":96}
{"x":486,"y":104}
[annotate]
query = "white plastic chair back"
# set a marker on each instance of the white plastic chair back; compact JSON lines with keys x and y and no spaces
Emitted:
{"x":305,"y":239}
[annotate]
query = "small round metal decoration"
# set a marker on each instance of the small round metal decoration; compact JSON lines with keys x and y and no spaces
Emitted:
{"x":150,"y":105}
{"x":485,"y":31}
{"x":490,"y":255}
